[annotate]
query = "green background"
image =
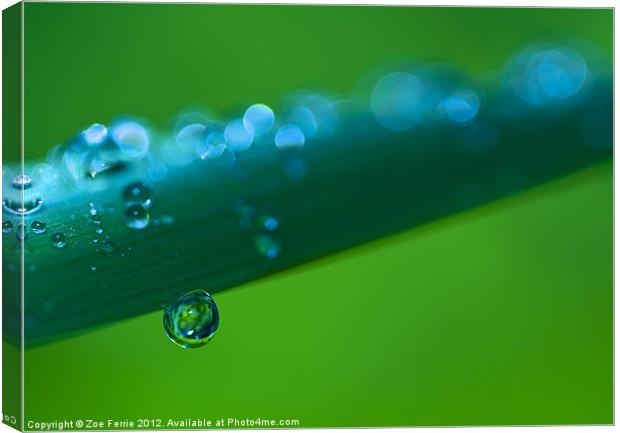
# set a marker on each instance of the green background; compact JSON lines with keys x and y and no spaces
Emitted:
{"x":502,"y":315}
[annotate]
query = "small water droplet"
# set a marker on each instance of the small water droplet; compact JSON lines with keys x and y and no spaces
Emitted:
{"x":7,"y":226}
{"x":137,"y":192}
{"x":268,"y":222}
{"x":107,"y":247}
{"x":59,"y":240}
{"x":21,"y":181}
{"x":38,"y":227}
{"x":93,"y":268}
{"x":267,"y":246}
{"x":136,"y":217}
{"x":191,"y":321}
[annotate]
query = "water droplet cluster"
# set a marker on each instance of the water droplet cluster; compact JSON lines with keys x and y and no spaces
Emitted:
{"x":138,"y":199}
{"x":265,"y":223}
{"x":59,"y":240}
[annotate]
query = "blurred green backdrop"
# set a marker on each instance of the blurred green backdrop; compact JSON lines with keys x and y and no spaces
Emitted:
{"x":502,"y":315}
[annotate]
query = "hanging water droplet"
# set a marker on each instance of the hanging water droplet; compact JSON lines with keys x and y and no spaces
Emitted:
{"x":59,"y":240}
{"x":20,"y":232}
{"x":137,"y":192}
{"x":268,"y":222}
{"x":7,"y":226}
{"x":38,"y":227}
{"x":21,"y":181}
{"x":136,"y":217}
{"x":191,"y":321}
{"x":267,"y":246}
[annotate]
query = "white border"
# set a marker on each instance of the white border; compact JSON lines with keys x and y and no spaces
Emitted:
{"x":524,"y":3}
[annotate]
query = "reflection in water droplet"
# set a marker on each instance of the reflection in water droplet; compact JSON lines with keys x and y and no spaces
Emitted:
{"x":191,"y":321}
{"x":267,"y":246}
{"x":136,"y":217}
{"x":7,"y":226}
{"x":38,"y":227}
{"x":258,"y":119}
{"x":21,"y":181}
{"x":137,"y":192}
{"x":58,"y":240}
{"x":31,"y":205}
{"x":237,"y":137}
{"x":289,"y":136}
